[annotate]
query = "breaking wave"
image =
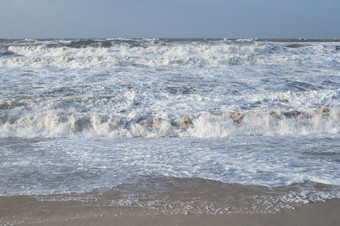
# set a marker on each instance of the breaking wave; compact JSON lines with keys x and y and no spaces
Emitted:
{"x":29,"y":119}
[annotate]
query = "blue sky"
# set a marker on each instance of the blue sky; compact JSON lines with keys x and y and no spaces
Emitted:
{"x":170,"y":18}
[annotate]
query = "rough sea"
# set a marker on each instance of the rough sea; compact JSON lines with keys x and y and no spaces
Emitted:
{"x":84,"y":115}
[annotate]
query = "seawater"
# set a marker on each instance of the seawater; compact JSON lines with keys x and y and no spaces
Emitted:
{"x":79,"y":115}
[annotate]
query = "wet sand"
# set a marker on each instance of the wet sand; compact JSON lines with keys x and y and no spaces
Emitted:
{"x":171,"y":201}
{"x":29,"y":211}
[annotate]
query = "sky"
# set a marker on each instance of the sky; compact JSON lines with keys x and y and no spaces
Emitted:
{"x":170,"y":18}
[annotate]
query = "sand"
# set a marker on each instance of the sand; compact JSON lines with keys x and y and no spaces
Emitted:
{"x":169,"y":202}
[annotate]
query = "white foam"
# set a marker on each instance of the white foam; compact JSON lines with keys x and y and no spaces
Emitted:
{"x":130,"y":115}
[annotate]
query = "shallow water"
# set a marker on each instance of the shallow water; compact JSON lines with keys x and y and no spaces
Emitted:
{"x":79,"y":165}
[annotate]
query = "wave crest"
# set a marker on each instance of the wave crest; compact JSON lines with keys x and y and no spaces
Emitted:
{"x":56,"y":123}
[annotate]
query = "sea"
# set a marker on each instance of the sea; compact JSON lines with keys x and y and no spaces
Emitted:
{"x":94,"y":115}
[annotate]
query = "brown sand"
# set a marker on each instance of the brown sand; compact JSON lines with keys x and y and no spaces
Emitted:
{"x":169,"y":202}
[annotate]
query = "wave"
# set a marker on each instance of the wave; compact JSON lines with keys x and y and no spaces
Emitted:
{"x":154,"y":52}
{"x":21,"y":121}
{"x":143,"y":87}
{"x":4,"y":51}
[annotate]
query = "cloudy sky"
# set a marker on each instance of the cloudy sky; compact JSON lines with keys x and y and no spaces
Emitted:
{"x":170,"y":18}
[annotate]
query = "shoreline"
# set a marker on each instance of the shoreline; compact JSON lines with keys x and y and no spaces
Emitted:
{"x":174,"y":201}
{"x":25,"y":210}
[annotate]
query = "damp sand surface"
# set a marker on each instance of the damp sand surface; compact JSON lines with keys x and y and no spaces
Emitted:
{"x":170,"y":201}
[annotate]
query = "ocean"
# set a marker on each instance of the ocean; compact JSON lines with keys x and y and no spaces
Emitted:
{"x":130,"y":115}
